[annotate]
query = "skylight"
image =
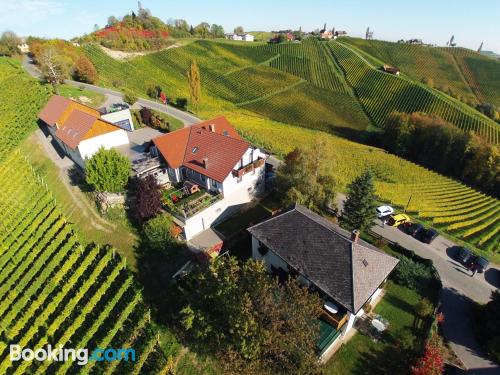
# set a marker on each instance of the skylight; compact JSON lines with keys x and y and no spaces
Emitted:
{"x":194,"y":150}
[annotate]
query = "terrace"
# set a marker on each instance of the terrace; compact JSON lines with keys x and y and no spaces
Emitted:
{"x":187,"y":199}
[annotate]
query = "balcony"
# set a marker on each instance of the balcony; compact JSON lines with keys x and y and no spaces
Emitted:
{"x":185,"y":202}
{"x":248,"y":168}
{"x":336,"y":320}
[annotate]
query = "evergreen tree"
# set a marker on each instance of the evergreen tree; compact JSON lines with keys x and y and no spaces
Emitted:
{"x":148,"y":198}
{"x":194,"y":81}
{"x":359,"y":207}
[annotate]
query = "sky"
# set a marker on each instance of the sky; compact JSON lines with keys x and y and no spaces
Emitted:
{"x":433,"y":21}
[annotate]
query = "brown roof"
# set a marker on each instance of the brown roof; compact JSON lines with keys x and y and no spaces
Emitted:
{"x":75,"y":121}
{"x":54,"y":109}
{"x":221,"y":148}
{"x":348,"y":272}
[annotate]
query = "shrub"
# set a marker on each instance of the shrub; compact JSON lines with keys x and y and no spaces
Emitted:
{"x":181,"y":103}
{"x":84,"y":71}
{"x":148,"y":198}
{"x":129,"y":97}
{"x":412,"y":274}
{"x":107,"y":171}
{"x":157,"y":232}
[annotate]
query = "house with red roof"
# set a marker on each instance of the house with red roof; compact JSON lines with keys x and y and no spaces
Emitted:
{"x":212,"y":156}
{"x":80,"y":130}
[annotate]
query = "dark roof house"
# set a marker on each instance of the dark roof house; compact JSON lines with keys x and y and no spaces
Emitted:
{"x":344,"y":267}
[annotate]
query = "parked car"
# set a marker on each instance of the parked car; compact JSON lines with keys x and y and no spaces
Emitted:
{"x":464,"y":255}
{"x":427,"y":235}
{"x":383,"y":211}
{"x":481,"y":264}
{"x":396,"y":220}
{"x":413,"y":229}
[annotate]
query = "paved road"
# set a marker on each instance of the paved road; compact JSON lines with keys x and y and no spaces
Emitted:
{"x":113,"y":96}
{"x":459,"y":290}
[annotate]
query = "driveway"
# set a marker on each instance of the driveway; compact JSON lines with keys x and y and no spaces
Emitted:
{"x":459,"y":292}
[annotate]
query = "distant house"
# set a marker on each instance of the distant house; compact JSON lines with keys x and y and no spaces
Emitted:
{"x":121,"y":118}
{"x":326,"y":34}
{"x":243,"y":37}
{"x":211,"y":159}
{"x":340,"y":33}
{"x":23,"y":47}
{"x":347,"y":272}
{"x":391,"y":69}
{"x":80,"y":130}
{"x":281,"y":37}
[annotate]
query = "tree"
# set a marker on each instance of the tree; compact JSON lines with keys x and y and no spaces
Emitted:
{"x":129,"y":97}
{"x":239,"y":30}
{"x":52,"y":68}
{"x":194,"y":81}
{"x":148,"y":198}
{"x":202,"y":30}
{"x":359,"y":207}
{"x":8,"y":43}
{"x":112,"y":20}
{"x":84,"y":70}
{"x":488,"y":325}
{"x":157,"y":232}
{"x":251,"y":321}
{"x":303,"y":178}
{"x":216,"y":31}
{"x":107,"y":171}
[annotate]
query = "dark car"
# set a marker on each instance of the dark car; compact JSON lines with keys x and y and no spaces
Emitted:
{"x":427,"y":235}
{"x":481,"y":264}
{"x":413,"y":229}
{"x":464,"y":255}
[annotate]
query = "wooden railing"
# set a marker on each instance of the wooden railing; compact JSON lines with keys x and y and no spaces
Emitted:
{"x":336,"y":320}
{"x":248,"y":168}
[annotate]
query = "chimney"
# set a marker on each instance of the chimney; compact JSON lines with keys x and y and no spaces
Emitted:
{"x":211,"y":127}
{"x":57,"y":125}
{"x":355,"y":236}
{"x":205,"y":162}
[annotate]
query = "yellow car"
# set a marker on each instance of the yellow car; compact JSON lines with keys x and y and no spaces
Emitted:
{"x":396,"y":220}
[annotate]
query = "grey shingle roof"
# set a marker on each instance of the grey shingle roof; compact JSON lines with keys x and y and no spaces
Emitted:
{"x":323,"y":252}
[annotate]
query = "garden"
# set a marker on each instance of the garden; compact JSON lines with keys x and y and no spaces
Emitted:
{"x":409,"y":305}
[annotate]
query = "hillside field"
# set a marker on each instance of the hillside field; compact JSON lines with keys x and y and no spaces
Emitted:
{"x":314,"y":104}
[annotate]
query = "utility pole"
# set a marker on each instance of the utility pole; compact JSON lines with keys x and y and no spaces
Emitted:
{"x":407,"y":204}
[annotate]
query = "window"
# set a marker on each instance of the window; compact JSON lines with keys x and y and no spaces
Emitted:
{"x":203,"y":178}
{"x":194,"y":150}
{"x":225,"y":132}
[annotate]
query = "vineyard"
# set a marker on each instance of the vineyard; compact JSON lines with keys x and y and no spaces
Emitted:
{"x":55,"y":290}
{"x":480,"y":72}
{"x":445,"y":204}
{"x":419,"y":62}
{"x":382,"y":93}
{"x":18,"y":117}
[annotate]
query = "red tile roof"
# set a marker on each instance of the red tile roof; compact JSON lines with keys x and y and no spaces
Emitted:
{"x":75,"y":122}
{"x":189,"y":147}
{"x":54,"y":109}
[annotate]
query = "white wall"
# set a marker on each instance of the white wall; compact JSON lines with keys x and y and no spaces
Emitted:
{"x":115,"y":117}
{"x":271,"y":259}
{"x":89,"y":147}
{"x":248,"y":38}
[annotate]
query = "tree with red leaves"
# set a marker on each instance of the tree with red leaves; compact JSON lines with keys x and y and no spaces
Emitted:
{"x":148,"y":198}
{"x":432,"y":363}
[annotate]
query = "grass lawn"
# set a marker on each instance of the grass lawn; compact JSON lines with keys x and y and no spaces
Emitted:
{"x":76,"y":207}
{"x":361,"y":355}
{"x":90,"y":98}
{"x":243,"y":220}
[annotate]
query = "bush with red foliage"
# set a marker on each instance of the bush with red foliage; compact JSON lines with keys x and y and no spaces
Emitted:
{"x":148,"y":198}
{"x":432,"y":362}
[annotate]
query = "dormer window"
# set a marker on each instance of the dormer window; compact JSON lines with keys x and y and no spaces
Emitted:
{"x":226,"y":133}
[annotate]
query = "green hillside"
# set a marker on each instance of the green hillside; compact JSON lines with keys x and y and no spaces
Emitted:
{"x":481,"y":72}
{"x":419,"y":63}
{"x":295,"y":93}
{"x":382,"y":93}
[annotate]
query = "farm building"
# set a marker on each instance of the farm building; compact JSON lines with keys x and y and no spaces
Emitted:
{"x":80,"y":130}
{"x":347,"y":272}
{"x":391,"y":69}
{"x":210,"y":162}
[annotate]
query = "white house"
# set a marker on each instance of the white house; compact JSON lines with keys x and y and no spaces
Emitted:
{"x":242,"y":37}
{"x":79,"y":129}
{"x":23,"y":47}
{"x":344,"y":270}
{"x":212,"y":156}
